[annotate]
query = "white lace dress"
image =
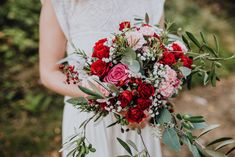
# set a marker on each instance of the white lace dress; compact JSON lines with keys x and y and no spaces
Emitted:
{"x":83,"y":23}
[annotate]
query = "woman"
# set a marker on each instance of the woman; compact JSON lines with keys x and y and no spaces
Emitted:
{"x":82,"y":22}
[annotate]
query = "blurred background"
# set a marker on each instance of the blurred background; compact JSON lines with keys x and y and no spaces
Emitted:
{"x":30,"y":115}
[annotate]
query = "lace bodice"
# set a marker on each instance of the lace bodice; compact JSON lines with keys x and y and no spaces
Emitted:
{"x":85,"y":21}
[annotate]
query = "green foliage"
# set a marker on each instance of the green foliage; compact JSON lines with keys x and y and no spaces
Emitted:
{"x":27,"y":109}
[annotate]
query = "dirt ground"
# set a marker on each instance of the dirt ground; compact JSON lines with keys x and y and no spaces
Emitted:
{"x":217,"y":105}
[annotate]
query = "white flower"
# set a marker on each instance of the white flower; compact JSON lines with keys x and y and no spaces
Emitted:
{"x":135,"y":39}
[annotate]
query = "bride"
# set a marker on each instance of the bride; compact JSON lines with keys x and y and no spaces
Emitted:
{"x":82,"y":22}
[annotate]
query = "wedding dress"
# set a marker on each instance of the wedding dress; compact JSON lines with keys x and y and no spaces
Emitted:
{"x":83,"y":23}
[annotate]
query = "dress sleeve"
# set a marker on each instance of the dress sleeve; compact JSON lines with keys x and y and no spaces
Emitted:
{"x":61,"y":9}
{"x":157,"y":10}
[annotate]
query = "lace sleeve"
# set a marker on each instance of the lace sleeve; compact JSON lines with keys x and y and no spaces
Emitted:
{"x":61,"y":9}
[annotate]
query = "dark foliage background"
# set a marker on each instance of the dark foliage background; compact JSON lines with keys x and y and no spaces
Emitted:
{"x":30,"y":115}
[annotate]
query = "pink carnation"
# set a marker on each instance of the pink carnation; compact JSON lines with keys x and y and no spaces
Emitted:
{"x":147,"y":31}
{"x":166,"y":89}
{"x":171,"y":75}
{"x":117,"y":74}
{"x":135,"y":39}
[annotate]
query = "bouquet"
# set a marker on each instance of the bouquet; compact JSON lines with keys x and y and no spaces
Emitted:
{"x":138,"y":70}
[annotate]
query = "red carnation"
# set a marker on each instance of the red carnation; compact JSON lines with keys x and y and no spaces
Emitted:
{"x":100,"y":50}
{"x":135,"y":114}
{"x":125,"y":98}
{"x":146,"y":90}
{"x":143,"y":104}
{"x":123,"y":25}
{"x":103,"y":105}
{"x":187,"y":62}
{"x":168,"y":58}
{"x":99,"y":68}
{"x":176,"y":47}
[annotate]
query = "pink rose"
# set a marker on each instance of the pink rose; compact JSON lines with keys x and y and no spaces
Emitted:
{"x":118,"y":74}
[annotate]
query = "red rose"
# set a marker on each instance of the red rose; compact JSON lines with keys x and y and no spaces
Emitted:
{"x":100,"y":50}
{"x":123,"y":25}
{"x":143,"y":104}
{"x":146,"y":90}
{"x":99,"y":68}
{"x":125,"y":98}
{"x":187,"y":62}
{"x":135,"y":114}
{"x":168,"y":58}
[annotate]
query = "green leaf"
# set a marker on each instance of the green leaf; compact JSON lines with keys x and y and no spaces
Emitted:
{"x":165,"y":117}
{"x":205,"y":80}
{"x":185,"y":41}
{"x":94,"y":87}
{"x":191,"y":147}
{"x":228,"y":142}
{"x":218,"y":141}
{"x":195,"y":151}
{"x":171,"y":139}
{"x":124,"y":156}
{"x":90,"y":92}
{"x":77,"y":101}
{"x":113,"y":88}
{"x":214,"y":153}
{"x":185,"y":71}
{"x":132,"y":144}
{"x":193,"y":39}
{"x":230,"y":151}
{"x":216,"y":43}
{"x":146,"y":18}
{"x":203,"y":38}
{"x":125,"y":145}
{"x":211,"y":50}
{"x":134,"y":66}
{"x":199,"y":125}
{"x":208,"y":129}
{"x":114,"y":123}
{"x":129,"y":53}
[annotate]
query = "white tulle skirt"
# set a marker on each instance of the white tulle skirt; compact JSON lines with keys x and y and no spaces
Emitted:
{"x":103,"y":138}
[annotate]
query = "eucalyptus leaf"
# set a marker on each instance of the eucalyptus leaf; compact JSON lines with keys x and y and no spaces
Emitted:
{"x":199,"y":125}
{"x":185,"y":71}
{"x":134,"y":66}
{"x":171,"y":139}
{"x":165,"y":117}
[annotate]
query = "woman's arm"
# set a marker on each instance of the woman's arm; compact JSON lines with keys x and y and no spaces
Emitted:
{"x":52,"y":48}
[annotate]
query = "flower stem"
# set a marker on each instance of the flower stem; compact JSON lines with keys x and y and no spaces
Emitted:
{"x":145,"y":147}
